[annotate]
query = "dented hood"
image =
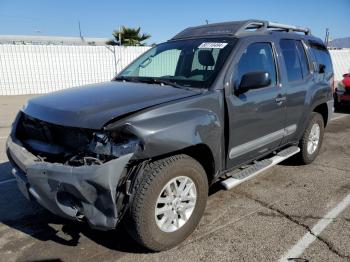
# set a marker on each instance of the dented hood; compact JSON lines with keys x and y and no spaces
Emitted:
{"x":92,"y":106}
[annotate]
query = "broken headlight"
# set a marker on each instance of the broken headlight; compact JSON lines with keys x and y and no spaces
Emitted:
{"x":103,"y":147}
{"x":113,"y":144}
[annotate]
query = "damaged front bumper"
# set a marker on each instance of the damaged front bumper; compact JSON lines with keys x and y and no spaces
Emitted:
{"x":88,"y":192}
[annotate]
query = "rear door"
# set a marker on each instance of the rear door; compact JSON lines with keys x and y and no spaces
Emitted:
{"x":257,"y":117}
{"x":297,"y":80}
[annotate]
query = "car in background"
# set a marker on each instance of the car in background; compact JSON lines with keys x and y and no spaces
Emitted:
{"x":342,"y":92}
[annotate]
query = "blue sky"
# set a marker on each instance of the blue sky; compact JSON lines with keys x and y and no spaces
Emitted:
{"x":163,"y":19}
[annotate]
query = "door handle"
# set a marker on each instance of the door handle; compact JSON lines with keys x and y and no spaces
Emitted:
{"x":280,"y":99}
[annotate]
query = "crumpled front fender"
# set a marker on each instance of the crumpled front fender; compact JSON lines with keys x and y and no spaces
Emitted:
{"x":72,"y":192}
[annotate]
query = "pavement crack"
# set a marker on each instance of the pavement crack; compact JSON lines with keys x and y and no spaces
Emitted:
{"x":217,"y":228}
{"x":265,"y":214}
{"x":329,"y":245}
{"x":294,"y":216}
{"x":333,"y":167}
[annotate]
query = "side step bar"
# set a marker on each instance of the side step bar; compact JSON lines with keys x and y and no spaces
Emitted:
{"x":247,"y":173}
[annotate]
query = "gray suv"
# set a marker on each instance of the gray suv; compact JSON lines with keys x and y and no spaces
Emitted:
{"x":218,"y":103}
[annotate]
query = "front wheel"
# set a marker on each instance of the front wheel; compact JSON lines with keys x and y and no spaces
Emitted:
{"x":169,"y":200}
{"x":311,"y":141}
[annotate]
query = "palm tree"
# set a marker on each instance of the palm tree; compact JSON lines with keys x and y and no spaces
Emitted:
{"x":129,"y":37}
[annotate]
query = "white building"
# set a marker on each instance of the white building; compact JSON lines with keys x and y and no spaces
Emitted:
{"x":51,"y":40}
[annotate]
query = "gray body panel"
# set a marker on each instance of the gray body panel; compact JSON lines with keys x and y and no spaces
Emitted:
{"x":94,"y":105}
{"x":179,"y":125}
{"x":256,"y":121}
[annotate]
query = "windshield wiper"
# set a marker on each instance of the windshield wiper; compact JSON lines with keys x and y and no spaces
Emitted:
{"x":126,"y":79}
{"x":150,"y":80}
{"x":161,"y":82}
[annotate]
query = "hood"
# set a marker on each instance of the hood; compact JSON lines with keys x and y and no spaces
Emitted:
{"x":92,"y":106}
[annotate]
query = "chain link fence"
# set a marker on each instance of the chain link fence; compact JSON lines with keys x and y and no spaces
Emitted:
{"x":35,"y":69}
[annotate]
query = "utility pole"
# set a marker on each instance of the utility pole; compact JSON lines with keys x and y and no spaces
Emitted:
{"x":81,"y":37}
{"x":326,"y":40}
{"x":120,"y":36}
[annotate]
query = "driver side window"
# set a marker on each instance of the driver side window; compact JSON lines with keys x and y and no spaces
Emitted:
{"x":257,"y":57}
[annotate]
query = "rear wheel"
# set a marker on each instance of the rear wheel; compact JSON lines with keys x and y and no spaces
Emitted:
{"x":311,"y":141}
{"x":169,"y":200}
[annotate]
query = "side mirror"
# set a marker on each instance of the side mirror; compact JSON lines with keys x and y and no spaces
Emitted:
{"x":321,"y":68}
{"x":254,"y":80}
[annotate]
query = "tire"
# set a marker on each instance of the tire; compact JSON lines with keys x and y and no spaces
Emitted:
{"x":149,"y":187}
{"x":306,"y":155}
{"x":337,"y":104}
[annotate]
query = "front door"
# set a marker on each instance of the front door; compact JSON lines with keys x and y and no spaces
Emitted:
{"x":256,"y":117}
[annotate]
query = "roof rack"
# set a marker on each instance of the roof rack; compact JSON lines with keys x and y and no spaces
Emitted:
{"x":265,"y":25}
{"x":237,"y":27}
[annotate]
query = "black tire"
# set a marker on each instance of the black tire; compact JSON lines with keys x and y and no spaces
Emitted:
{"x":304,"y":156}
{"x":337,"y":104}
{"x":141,"y":222}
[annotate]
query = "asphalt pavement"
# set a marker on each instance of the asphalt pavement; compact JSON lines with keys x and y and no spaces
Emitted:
{"x":301,"y":213}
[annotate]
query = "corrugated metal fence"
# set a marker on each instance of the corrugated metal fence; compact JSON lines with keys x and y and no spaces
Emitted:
{"x":341,"y":62}
{"x":34,"y":69}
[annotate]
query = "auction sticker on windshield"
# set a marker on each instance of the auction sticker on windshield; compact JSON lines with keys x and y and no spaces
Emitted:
{"x":212,"y":45}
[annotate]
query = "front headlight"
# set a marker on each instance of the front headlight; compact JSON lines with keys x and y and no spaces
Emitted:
{"x":103,"y":147}
{"x":113,"y":144}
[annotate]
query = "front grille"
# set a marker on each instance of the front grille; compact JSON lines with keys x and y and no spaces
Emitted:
{"x":30,"y":129}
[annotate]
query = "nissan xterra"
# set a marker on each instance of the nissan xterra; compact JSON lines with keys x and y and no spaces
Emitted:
{"x":217,"y":103}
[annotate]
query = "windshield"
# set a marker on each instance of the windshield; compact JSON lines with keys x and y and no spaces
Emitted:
{"x":191,"y":63}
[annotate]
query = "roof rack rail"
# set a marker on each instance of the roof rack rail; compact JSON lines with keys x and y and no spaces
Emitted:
{"x":236,"y":28}
{"x":265,"y":25}
{"x":292,"y":28}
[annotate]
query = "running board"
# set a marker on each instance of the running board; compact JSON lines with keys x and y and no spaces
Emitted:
{"x":247,"y":173}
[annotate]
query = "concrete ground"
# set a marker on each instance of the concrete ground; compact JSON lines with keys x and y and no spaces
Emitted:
{"x":260,"y":220}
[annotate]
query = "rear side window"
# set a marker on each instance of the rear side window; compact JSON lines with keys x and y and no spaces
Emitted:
{"x":257,"y":57}
{"x":295,"y":59}
{"x":322,"y":57}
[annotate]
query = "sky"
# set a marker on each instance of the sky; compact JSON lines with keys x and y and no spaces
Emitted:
{"x":163,"y":19}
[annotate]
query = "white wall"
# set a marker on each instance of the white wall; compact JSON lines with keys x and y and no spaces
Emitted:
{"x":341,"y":63}
{"x":32,"y":69}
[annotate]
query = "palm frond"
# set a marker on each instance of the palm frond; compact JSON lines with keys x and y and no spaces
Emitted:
{"x":130,"y":36}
